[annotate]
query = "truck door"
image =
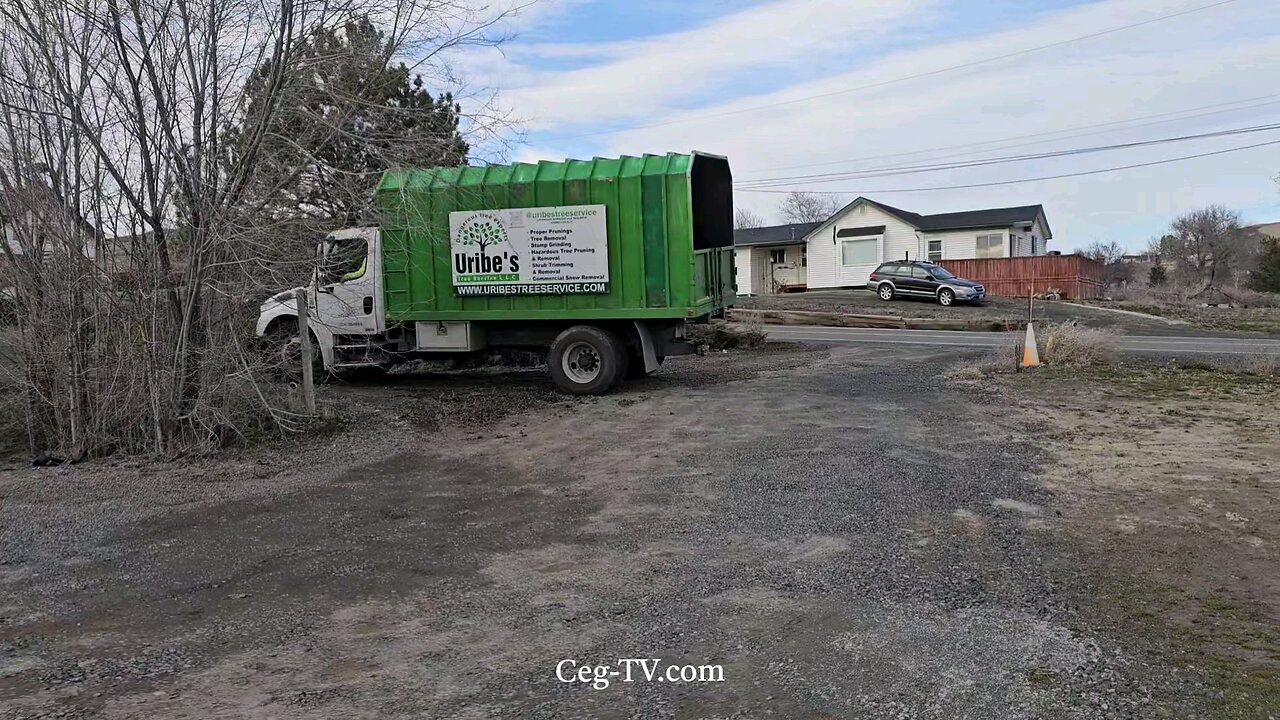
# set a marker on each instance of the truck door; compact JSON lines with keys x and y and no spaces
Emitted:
{"x":345,"y":294}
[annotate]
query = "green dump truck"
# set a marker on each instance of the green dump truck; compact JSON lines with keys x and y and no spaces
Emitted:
{"x":599,"y":263}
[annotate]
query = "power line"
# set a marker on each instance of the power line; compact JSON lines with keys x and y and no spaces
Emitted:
{"x":1003,"y":140}
{"x":912,"y":169}
{"x":1022,"y":180}
{"x":905,"y":78}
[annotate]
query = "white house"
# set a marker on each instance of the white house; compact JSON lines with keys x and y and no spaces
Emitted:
{"x":843,"y":250}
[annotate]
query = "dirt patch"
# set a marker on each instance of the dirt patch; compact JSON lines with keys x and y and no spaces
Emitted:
{"x":866,"y":302}
{"x":718,"y":335}
{"x":1169,"y":480}
{"x":1014,"y":310}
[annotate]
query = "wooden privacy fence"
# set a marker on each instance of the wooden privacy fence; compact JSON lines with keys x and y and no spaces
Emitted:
{"x":1076,"y":277}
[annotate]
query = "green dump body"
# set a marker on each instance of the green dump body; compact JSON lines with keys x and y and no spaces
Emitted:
{"x":669,"y":221}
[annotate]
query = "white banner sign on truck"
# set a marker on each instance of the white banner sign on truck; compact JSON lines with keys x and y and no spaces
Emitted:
{"x":530,"y":251}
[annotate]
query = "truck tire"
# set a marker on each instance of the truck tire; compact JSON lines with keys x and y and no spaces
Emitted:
{"x":285,"y":349}
{"x":586,"y":360}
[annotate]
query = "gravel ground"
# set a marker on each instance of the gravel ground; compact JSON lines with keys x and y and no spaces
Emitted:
{"x":833,"y":526}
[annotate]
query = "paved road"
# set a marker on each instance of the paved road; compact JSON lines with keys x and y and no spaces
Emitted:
{"x":1139,"y":344}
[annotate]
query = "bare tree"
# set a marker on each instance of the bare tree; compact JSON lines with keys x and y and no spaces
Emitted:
{"x":1103,"y":251}
{"x":803,"y":207}
{"x":1206,"y":248}
{"x":141,"y":246}
{"x":1117,"y":271}
{"x":744,"y":218}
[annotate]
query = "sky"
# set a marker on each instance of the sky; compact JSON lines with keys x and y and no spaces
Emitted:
{"x":790,"y":89}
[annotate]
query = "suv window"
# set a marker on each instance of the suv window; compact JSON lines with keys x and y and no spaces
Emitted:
{"x":921,"y":273}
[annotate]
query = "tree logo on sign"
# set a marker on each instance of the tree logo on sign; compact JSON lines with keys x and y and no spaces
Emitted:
{"x":483,"y":231}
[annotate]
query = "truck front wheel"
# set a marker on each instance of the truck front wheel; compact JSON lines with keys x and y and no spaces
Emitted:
{"x":586,"y":360}
{"x":285,"y":348}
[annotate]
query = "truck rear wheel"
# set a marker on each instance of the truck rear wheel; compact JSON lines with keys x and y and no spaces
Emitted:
{"x":586,"y":360}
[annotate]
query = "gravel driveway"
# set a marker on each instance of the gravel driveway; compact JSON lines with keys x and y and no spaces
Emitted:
{"x":841,"y":532}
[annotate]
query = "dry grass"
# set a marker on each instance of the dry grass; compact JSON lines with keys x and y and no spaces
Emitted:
{"x":1263,"y":365}
{"x":1249,"y":311}
{"x":1195,"y":297}
{"x":1163,"y":478}
{"x":1059,"y":345}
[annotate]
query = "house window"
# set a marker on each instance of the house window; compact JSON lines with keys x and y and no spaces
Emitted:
{"x":990,"y":246}
{"x":804,"y":256}
{"x":778,"y":257}
{"x":864,"y":251}
{"x":935,"y":250}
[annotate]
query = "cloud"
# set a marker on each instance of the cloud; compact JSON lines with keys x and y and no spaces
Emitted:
{"x":709,"y":75}
{"x":637,"y":76}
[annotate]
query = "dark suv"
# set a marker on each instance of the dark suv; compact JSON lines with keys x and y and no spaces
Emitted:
{"x":915,"y":278}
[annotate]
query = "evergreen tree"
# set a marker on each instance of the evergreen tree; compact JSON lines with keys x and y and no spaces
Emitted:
{"x":346,"y":116}
{"x":1266,"y":276}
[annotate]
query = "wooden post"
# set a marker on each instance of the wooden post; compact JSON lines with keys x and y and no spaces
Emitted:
{"x":1031,"y":303}
{"x":304,"y":340}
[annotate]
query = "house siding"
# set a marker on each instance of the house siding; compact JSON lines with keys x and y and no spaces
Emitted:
{"x":792,"y":272}
{"x":825,"y":270}
{"x":755,"y":275}
{"x":1039,"y":243}
{"x":742,"y":271}
{"x":956,"y":243}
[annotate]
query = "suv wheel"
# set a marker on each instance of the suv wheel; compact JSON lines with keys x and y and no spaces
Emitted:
{"x":946,"y":296}
{"x":885,"y":291}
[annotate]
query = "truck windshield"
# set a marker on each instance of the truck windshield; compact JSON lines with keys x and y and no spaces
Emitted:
{"x":343,"y":259}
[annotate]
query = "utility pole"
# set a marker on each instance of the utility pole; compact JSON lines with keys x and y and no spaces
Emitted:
{"x":304,"y":340}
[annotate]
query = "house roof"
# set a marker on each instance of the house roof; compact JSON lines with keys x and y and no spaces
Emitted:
{"x":967,"y":219}
{"x":773,"y":235}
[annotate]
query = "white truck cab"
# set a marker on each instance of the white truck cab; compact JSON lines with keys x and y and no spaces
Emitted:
{"x":344,"y":301}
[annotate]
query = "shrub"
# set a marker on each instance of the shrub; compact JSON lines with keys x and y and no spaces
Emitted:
{"x":13,"y":430}
{"x":1077,"y":346}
